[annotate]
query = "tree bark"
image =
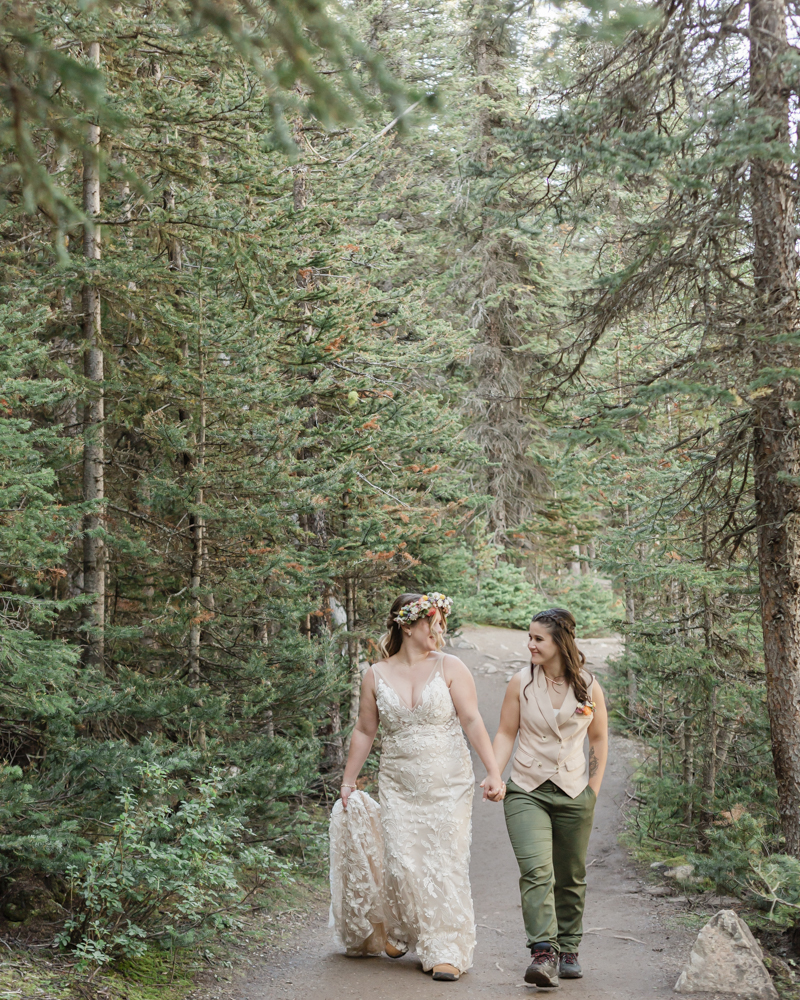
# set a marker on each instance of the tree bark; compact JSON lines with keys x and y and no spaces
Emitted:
{"x":687,"y":761}
{"x":198,"y":537}
{"x":709,"y":789}
{"x":630,"y":617}
{"x":498,"y":417}
{"x":686,"y":707}
{"x":94,"y":555}
{"x":353,"y":650}
{"x":776,"y":435}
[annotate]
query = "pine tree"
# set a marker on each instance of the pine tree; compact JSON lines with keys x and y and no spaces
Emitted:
{"x":652,"y":145}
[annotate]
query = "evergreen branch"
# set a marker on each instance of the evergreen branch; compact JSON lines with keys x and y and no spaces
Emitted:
{"x":396,"y":500}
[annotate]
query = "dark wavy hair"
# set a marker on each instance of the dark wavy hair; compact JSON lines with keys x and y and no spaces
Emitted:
{"x":561,"y":625}
{"x":392,"y":639}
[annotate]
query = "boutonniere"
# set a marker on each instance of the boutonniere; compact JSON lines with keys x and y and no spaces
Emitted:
{"x":585,"y":708}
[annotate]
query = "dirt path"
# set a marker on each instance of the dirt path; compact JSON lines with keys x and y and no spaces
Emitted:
{"x":632,"y":949}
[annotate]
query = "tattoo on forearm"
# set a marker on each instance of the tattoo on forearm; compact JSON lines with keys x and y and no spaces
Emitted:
{"x":594,"y":763}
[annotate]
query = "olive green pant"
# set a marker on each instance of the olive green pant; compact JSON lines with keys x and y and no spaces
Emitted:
{"x":549,"y":832}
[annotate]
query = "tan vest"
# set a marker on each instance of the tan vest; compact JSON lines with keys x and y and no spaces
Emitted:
{"x":550,"y":742}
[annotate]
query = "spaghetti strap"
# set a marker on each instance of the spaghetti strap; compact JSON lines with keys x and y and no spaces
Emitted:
{"x":438,"y":668}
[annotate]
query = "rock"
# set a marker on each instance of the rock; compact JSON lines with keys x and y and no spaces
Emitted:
{"x":15,"y":910}
{"x":490,"y":668}
{"x":338,"y":613}
{"x":681,"y":873}
{"x":779,"y":968}
{"x":715,"y":902}
{"x":27,"y":898}
{"x":726,"y":958}
{"x":465,"y":645}
{"x":659,"y":890}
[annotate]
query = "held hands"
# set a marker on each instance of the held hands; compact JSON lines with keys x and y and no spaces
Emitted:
{"x":494,"y":788}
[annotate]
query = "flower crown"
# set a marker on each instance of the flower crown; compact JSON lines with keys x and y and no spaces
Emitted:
{"x":423,"y":607}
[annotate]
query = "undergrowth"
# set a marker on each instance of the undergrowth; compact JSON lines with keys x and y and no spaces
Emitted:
{"x":161,"y":974}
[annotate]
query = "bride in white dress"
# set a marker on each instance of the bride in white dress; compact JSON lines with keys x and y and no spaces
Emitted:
{"x":400,"y":879}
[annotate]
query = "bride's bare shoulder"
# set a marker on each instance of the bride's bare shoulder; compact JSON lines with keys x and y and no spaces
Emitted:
{"x":453,"y":666}
{"x":368,"y":679}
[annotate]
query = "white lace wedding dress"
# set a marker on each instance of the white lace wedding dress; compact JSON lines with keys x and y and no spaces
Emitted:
{"x":401,"y":873}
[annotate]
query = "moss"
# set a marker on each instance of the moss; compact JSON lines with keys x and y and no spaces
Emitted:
{"x":153,"y":977}
{"x":162,"y":975}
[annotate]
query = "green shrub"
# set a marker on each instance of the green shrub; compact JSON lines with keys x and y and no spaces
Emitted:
{"x":738,"y":862}
{"x":506,"y":597}
{"x":165,"y":871}
{"x":594,"y":605}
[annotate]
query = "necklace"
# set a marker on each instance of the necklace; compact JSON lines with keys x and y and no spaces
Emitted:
{"x":556,"y":680}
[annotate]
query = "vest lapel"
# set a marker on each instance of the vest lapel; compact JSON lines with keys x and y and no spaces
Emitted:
{"x":567,"y":709}
{"x":543,"y":700}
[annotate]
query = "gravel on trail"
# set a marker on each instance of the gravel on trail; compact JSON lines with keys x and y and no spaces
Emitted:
{"x":633,"y":948}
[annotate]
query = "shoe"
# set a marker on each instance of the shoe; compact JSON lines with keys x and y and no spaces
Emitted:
{"x":446,"y":973}
{"x":393,"y":952}
{"x":568,"y":965}
{"x":543,"y":970}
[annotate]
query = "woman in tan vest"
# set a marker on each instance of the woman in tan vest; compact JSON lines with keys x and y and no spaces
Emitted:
{"x":549,"y":805}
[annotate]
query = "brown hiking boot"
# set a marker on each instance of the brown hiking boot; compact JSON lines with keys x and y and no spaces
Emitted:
{"x":543,"y":970}
{"x":568,"y":965}
{"x":446,"y":973}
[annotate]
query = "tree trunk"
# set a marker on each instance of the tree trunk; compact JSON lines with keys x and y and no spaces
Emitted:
{"x":575,"y":564}
{"x":94,"y":555}
{"x":193,"y":461}
{"x":709,"y":790}
{"x":496,"y":411}
{"x":686,"y":733}
{"x":353,"y":650}
{"x":630,"y":617}
{"x":687,"y":755}
{"x":198,"y":529}
{"x":710,"y":769}
{"x":776,"y":436}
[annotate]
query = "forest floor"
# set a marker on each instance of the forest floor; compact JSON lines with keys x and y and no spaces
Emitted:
{"x":635,"y":943}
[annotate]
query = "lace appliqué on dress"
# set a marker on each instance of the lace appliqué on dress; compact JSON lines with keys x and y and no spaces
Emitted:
{"x":356,"y":846}
{"x":426,"y":790}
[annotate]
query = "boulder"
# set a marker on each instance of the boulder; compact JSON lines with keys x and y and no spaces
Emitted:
{"x":659,"y":890}
{"x":681,"y":873}
{"x":726,"y":958}
{"x":27,"y":897}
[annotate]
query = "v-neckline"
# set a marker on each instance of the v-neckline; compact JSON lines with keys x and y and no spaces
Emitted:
{"x":425,"y":687}
{"x":542,"y":696}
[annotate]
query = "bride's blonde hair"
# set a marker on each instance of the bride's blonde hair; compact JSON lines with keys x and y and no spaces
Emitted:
{"x":392,"y":639}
